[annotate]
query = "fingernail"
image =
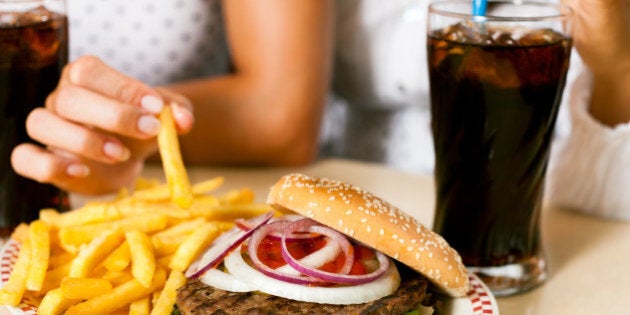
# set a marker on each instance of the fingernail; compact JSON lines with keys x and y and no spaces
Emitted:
{"x":116,"y":151}
{"x":183,"y":114}
{"x":78,"y":170}
{"x":152,"y":103}
{"x":149,"y":125}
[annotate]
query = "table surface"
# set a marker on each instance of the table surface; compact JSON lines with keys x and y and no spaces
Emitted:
{"x":588,"y":257}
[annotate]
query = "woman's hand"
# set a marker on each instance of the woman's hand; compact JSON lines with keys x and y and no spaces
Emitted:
{"x":97,"y":129}
{"x":602,"y":37}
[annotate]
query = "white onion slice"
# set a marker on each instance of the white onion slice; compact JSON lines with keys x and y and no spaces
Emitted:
{"x":315,"y":260}
{"x":225,"y":281}
{"x":383,"y":286}
{"x":223,"y":244}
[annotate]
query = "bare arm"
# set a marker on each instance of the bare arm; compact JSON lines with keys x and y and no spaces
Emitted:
{"x":602,"y":36}
{"x":268,"y":111}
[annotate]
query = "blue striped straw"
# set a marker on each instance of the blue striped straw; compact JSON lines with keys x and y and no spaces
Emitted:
{"x":479,"y":7}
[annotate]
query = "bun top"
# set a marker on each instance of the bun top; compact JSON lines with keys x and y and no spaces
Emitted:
{"x":371,"y":220}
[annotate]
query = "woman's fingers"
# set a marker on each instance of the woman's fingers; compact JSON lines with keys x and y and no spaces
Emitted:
{"x":72,"y":173}
{"x":44,"y":166}
{"x":91,"y":73}
{"x":89,"y":108}
{"x":53,"y":131}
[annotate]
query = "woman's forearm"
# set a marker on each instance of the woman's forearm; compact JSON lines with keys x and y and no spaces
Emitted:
{"x":610,"y":101}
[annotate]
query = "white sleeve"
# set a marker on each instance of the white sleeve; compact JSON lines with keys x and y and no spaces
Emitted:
{"x":589,"y":169}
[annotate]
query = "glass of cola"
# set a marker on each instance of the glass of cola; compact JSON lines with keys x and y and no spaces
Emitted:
{"x":496,"y":83}
{"x":33,"y":51}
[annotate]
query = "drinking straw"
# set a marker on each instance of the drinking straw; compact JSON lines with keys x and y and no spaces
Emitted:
{"x":479,"y":7}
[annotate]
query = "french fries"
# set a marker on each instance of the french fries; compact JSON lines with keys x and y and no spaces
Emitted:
{"x":124,"y":255}
{"x":127,"y":255}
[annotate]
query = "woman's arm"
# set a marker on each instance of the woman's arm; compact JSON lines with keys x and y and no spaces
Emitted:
{"x":268,"y":111}
{"x":100,"y":122}
{"x":602,"y":37}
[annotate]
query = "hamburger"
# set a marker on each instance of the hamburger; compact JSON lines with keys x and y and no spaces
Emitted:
{"x":363,"y":256}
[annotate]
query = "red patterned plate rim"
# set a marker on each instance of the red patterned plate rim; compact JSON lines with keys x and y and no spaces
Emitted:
{"x":479,"y":300}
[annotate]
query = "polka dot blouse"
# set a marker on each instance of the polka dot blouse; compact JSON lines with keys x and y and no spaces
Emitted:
{"x":154,"y":41}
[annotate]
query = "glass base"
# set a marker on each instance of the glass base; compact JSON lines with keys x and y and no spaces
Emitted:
{"x":513,"y":278}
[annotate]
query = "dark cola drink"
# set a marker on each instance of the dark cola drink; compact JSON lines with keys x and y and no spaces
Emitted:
{"x":33,"y":51}
{"x":494,"y":99}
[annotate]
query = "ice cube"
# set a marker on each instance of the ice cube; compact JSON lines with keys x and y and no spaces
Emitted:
{"x":8,"y":18}
{"x":540,"y":37}
{"x":465,"y":32}
{"x":36,"y":15}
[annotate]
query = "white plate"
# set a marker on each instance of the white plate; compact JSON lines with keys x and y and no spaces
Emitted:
{"x":479,"y":301}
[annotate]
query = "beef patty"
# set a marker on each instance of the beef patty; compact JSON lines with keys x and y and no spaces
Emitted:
{"x":195,"y":297}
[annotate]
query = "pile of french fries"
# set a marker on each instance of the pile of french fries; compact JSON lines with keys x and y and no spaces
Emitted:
{"x":127,"y":255}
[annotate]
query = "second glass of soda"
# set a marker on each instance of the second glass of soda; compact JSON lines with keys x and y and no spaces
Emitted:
{"x":496,"y":83}
{"x":33,"y":52}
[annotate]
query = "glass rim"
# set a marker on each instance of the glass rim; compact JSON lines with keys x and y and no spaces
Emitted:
{"x":564,"y":11}
{"x":27,"y":1}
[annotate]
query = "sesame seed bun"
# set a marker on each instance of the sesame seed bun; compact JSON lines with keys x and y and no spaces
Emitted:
{"x":371,"y":220}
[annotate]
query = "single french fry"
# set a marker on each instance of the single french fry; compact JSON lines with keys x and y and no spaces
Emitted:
{"x":40,"y":253}
{"x":13,"y":290}
{"x":59,"y":259}
{"x":138,"y":208}
{"x":119,"y":259}
{"x":94,"y":253}
{"x":164,"y":304}
{"x":176,"y":176}
{"x":143,"y":183}
{"x":119,"y":297}
{"x":242,"y":196}
{"x":84,"y":288}
{"x":20,"y":233}
{"x":197,"y":241}
{"x":167,"y":245}
{"x":51,"y":216}
{"x":230,"y":212}
{"x":117,"y":277}
{"x":182,"y":228}
{"x":164,"y":261}
{"x":81,"y":234}
{"x":54,"y":303}
{"x":153,"y":194}
{"x":92,"y":212}
{"x":207,"y":186}
{"x":55,"y":276}
{"x":140,"y":307}
{"x":142,"y":257}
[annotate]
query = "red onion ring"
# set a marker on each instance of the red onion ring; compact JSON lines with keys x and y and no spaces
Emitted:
{"x":342,"y":276}
{"x":223,"y":245}
{"x":298,"y":236}
{"x":252,"y":248}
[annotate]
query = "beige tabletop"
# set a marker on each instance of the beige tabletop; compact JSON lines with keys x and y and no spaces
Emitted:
{"x":589,"y":258}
